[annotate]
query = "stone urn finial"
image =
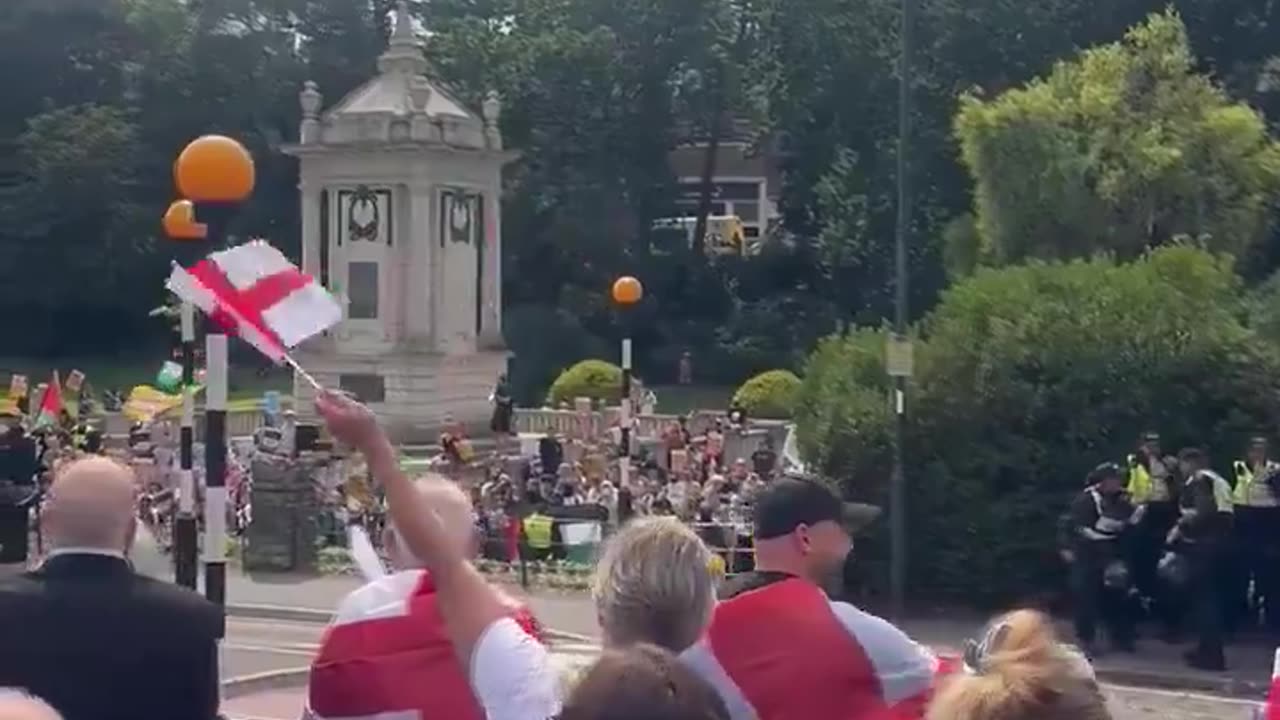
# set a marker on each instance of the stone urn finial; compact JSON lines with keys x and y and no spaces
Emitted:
{"x":492,"y":110}
{"x":419,"y":93}
{"x":310,"y":99}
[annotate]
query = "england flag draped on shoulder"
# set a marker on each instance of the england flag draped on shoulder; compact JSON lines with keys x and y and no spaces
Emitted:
{"x":253,"y":290}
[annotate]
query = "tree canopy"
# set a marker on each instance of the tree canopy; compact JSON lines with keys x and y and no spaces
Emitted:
{"x":1123,"y":149}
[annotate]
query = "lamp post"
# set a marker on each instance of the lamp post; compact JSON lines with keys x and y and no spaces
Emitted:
{"x":900,"y":346}
{"x":216,"y":173}
{"x":180,"y":224}
{"x":627,"y":291}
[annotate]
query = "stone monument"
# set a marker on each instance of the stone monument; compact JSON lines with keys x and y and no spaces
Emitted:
{"x":400,"y":187}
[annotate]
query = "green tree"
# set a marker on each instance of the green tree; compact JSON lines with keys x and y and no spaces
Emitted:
{"x":1123,"y":149}
{"x":1026,"y":378}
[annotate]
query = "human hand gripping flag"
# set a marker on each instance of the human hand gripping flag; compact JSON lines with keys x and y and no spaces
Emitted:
{"x":254,"y":291}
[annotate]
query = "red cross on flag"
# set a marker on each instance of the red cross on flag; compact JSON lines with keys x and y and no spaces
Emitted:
{"x":254,"y":291}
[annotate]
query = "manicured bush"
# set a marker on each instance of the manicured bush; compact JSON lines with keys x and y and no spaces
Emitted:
{"x":1027,"y":377}
{"x":770,"y":394}
{"x":596,"y":379}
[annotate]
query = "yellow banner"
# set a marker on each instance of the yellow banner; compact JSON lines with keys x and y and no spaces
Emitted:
{"x":146,"y":403}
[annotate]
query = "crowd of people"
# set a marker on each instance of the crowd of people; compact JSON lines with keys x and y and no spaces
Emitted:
{"x":86,"y":638}
{"x":1169,"y":539}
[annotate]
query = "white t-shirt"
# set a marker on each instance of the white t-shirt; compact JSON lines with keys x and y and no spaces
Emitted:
{"x":512,"y":674}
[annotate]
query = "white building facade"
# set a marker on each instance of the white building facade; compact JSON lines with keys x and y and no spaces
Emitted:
{"x":400,"y":190}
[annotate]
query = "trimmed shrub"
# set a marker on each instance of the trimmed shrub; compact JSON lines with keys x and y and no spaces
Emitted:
{"x":770,"y":394}
{"x":596,"y":379}
{"x":1027,"y":377}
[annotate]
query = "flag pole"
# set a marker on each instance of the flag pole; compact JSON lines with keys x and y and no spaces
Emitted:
{"x":305,"y":375}
{"x":185,"y":550}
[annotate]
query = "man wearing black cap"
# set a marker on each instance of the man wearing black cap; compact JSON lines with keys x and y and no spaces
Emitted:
{"x":1100,"y":518}
{"x":1152,"y":482}
{"x":779,"y":647}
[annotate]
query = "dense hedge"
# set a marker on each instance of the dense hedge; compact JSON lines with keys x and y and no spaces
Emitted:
{"x":770,"y":394}
{"x":595,"y":379}
{"x":1026,"y":378}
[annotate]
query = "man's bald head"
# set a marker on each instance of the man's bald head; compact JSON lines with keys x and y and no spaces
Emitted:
{"x":17,"y":705}
{"x":91,"y":505}
{"x":452,"y":506}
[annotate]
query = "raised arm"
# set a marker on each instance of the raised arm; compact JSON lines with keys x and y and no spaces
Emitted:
{"x":468,"y":603}
{"x":510,"y":671}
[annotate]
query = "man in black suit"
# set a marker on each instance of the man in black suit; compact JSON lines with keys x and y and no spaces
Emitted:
{"x":91,"y":637}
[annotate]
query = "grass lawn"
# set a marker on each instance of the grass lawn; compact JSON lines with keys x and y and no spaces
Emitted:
{"x":122,"y":373}
{"x":682,"y":399}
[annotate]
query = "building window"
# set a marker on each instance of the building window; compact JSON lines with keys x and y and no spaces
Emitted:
{"x":366,"y":388}
{"x":362,"y":291}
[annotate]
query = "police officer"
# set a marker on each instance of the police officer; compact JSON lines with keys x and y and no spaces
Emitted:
{"x":1202,"y":534}
{"x":1100,"y":517}
{"x":19,"y":466}
{"x":1150,"y":482}
{"x":1257,"y":524}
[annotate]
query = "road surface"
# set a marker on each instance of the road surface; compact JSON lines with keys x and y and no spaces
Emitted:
{"x":254,"y":646}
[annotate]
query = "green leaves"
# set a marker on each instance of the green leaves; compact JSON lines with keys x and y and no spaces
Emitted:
{"x":1122,"y":149}
{"x":1027,"y":377}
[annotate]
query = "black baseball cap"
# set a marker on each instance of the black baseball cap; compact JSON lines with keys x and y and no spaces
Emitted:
{"x":790,"y":502}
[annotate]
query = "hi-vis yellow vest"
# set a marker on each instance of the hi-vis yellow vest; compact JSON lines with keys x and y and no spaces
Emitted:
{"x":1142,"y":487}
{"x":1251,"y":490}
{"x":537,"y":531}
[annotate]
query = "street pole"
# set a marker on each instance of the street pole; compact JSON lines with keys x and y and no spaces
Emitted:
{"x":897,"y":488}
{"x":625,"y":414}
{"x":626,"y":292}
{"x":216,"y":216}
{"x":184,"y":528}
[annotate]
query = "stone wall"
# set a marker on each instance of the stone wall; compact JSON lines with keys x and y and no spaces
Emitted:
{"x":282,"y":536}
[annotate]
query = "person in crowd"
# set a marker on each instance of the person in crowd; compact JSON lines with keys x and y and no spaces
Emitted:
{"x":642,"y":682}
{"x":509,"y":670}
{"x":779,"y":648}
{"x":1256,"y":538}
{"x":679,"y":492}
{"x":765,"y":458}
{"x":1152,"y":482}
{"x":19,"y":490}
{"x":1019,"y":671}
{"x":1202,"y":534}
{"x":391,"y":629}
{"x":652,"y":585}
{"x":503,"y":407}
{"x":1100,"y":518}
{"x":18,"y":705}
{"x":90,"y":636}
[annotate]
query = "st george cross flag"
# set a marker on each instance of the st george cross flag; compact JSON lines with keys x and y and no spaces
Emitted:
{"x":254,"y":291}
{"x":387,"y":656}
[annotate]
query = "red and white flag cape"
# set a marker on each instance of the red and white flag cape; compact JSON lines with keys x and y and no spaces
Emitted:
{"x":254,"y":291}
{"x":387,"y":657}
{"x":1273,"y":697}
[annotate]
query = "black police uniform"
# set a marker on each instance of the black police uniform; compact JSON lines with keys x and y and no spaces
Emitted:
{"x":1098,"y":527}
{"x":1203,"y":535}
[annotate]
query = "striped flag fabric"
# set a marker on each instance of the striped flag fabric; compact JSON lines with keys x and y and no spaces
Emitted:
{"x":386,"y":656}
{"x":253,"y":290}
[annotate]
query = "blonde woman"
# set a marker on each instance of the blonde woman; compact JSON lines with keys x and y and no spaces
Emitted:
{"x":1019,"y":671}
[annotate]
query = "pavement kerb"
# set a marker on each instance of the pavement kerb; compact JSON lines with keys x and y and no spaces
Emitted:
{"x":239,"y":687}
{"x":1227,"y":686}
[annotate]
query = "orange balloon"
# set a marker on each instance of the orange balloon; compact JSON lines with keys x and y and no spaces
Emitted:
{"x":180,"y":222}
{"x":215,"y":168}
{"x":627,"y":290}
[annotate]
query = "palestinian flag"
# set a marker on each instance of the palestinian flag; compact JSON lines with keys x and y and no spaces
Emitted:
{"x":51,"y":404}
